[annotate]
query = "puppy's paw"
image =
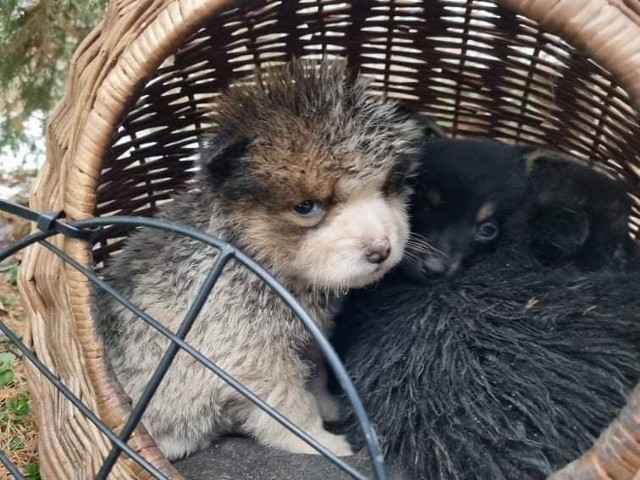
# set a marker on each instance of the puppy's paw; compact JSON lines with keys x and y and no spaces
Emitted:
{"x":300,"y":406}
{"x":338,"y":444}
{"x":329,"y":407}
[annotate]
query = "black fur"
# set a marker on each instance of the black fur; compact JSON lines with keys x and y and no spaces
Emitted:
{"x":221,"y":159}
{"x":589,"y":230}
{"x":508,"y":370}
{"x":511,"y":368}
{"x":457,"y":179}
{"x":398,"y":177}
{"x":576,"y":214}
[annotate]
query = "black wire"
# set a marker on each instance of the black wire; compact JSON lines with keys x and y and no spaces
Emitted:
{"x":86,"y":411}
{"x":23,"y":243}
{"x":19,"y":210}
{"x":373,"y":446}
{"x":330,"y":355}
{"x":292,"y":427}
{"x":48,"y":221}
{"x":13,"y":470}
{"x":166,"y":360}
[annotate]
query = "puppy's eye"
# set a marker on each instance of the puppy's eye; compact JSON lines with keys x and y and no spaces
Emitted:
{"x":309,"y":208}
{"x":486,"y":231}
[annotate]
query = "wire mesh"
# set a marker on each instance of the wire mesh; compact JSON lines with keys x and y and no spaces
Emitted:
{"x":49,"y":224}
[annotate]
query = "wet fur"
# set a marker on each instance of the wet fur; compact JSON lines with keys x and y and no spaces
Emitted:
{"x":508,"y":370}
{"x":299,"y":133}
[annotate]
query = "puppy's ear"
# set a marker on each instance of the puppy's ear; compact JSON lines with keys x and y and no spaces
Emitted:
{"x":430,"y":127}
{"x":538,"y":157}
{"x":559,"y":233}
{"x":222,"y":156}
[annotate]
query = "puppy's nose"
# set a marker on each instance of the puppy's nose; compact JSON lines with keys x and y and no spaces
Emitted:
{"x":378,"y":251}
{"x":436,"y":264}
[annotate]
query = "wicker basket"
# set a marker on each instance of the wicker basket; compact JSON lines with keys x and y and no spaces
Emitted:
{"x":561,"y":72}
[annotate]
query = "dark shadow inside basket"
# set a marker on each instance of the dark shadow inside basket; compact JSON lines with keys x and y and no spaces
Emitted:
{"x":479,"y":69}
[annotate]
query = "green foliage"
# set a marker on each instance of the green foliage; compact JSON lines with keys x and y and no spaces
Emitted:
{"x":32,"y":471}
{"x":7,"y":375}
{"x":9,"y":301}
{"x":19,"y":406}
{"x":14,"y":410}
{"x":16,"y":443}
{"x":13,"y":274}
{"x":37,"y":39}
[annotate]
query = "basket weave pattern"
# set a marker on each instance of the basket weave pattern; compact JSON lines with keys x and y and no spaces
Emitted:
{"x":557,"y":72}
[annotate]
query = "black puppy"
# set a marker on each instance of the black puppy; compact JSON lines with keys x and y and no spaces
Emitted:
{"x":579,"y":215}
{"x":464,"y":191}
{"x":467,"y":188}
{"x":507,"y":370}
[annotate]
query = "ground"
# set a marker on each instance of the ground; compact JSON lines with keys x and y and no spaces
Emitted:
{"x":17,"y":429}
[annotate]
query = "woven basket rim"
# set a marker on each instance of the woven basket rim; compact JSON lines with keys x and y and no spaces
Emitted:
{"x":609,"y":30}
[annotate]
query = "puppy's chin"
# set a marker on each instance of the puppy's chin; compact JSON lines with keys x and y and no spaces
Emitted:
{"x":358,"y":275}
{"x":363,"y":281}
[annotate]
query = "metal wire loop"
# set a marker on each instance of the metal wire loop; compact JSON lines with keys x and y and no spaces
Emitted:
{"x":89,"y":230}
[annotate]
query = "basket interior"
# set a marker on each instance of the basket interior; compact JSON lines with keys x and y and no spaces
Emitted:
{"x":478,"y":68}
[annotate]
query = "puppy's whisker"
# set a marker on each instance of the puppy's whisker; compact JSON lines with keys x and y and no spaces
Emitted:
{"x":417,"y":259}
{"x":425,"y":248}
{"x":412,"y":241}
{"x":412,"y":258}
{"x":418,"y":241}
{"x":419,"y":237}
{"x":421,"y":247}
{"x":430,"y":249}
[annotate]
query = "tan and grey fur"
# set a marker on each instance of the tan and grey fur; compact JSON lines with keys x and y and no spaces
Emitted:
{"x":301,"y":133}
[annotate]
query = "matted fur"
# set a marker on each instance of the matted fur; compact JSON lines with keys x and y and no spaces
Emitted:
{"x":304,"y":133}
{"x":508,"y":370}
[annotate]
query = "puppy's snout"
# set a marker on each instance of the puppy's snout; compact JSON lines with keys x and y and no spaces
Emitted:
{"x":377,"y":251}
{"x":437,"y":264}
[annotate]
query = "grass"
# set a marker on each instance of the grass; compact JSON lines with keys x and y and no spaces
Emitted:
{"x":17,"y":428}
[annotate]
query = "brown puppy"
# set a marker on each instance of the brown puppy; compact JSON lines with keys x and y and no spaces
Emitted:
{"x":305,"y":172}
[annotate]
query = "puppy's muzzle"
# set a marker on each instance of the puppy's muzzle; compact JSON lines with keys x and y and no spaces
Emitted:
{"x":437,"y":264}
{"x":440,"y":263}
